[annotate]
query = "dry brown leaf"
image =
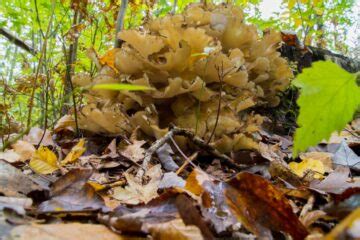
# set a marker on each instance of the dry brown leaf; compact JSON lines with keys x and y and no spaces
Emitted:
{"x":36,"y":135}
{"x":134,"y":151}
{"x":10,"y":156}
{"x":13,"y":183}
{"x":261,"y":206}
{"x":64,"y":231}
{"x":250,"y":199}
{"x":67,"y":122}
{"x":24,"y":149}
{"x":336,"y":182}
{"x":175,"y":229}
{"x":134,"y":192}
{"x":72,"y":193}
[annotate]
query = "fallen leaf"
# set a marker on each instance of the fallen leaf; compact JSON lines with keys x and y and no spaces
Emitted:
{"x":344,"y":203}
{"x":24,"y":149}
{"x":171,"y":179}
{"x":134,"y":152}
{"x":248,"y":199}
{"x":132,"y":219}
{"x":36,"y":135}
{"x":65,"y":123}
{"x":13,"y":183}
{"x":336,"y":182}
{"x":134,"y":192}
{"x":164,"y":153}
{"x":311,"y":217}
{"x":16,"y":204}
{"x":10,"y":156}
{"x":44,"y":161}
{"x":72,"y":193}
{"x":306,"y":165}
{"x":64,"y":231}
{"x":261,"y":206}
{"x":75,"y":152}
{"x":350,"y":226}
{"x":324,"y":157}
{"x":345,"y":156}
{"x":175,"y":229}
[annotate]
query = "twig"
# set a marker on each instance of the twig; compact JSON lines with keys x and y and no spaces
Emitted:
{"x":221,"y":77}
{"x":120,"y":22}
{"x":42,"y":54}
{"x":188,"y":161}
{"x":17,"y":41}
{"x":192,"y":137}
{"x":173,"y":11}
{"x":148,"y":154}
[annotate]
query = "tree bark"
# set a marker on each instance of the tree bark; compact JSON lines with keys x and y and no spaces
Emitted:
{"x":304,"y":58}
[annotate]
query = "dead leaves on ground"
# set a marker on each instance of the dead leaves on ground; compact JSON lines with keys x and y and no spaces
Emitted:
{"x":83,"y":179}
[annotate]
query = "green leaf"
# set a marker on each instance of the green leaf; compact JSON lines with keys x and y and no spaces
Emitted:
{"x":121,"y":86}
{"x":329,"y":97}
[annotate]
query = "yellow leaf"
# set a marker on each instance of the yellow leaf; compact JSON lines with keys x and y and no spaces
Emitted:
{"x":291,"y":4}
{"x":307,"y":164}
{"x":109,"y":59}
{"x":96,"y":186}
{"x":297,"y":22}
{"x":44,"y":161}
{"x":319,"y":11}
{"x":75,"y":152}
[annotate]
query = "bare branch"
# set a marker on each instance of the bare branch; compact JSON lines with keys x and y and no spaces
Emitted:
{"x":17,"y":41}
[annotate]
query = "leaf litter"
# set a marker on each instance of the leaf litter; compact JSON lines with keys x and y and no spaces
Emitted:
{"x":165,"y":163}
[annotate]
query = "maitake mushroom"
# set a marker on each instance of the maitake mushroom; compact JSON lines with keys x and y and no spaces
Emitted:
{"x":191,"y":60}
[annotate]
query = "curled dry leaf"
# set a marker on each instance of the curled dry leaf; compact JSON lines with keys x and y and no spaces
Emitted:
{"x":65,"y":123}
{"x":44,"y":161}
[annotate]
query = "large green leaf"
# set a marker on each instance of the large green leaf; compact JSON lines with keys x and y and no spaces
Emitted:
{"x":329,"y":97}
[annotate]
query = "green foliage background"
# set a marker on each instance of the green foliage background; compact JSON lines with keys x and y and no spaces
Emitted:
{"x":317,"y":22}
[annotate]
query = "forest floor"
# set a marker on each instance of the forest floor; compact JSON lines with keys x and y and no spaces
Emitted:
{"x":202,"y":195}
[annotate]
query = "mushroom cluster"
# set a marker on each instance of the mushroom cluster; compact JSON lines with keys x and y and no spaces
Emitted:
{"x":208,"y":70}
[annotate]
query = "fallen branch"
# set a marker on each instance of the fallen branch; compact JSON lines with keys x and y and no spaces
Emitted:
{"x":192,"y":137}
{"x":17,"y":41}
